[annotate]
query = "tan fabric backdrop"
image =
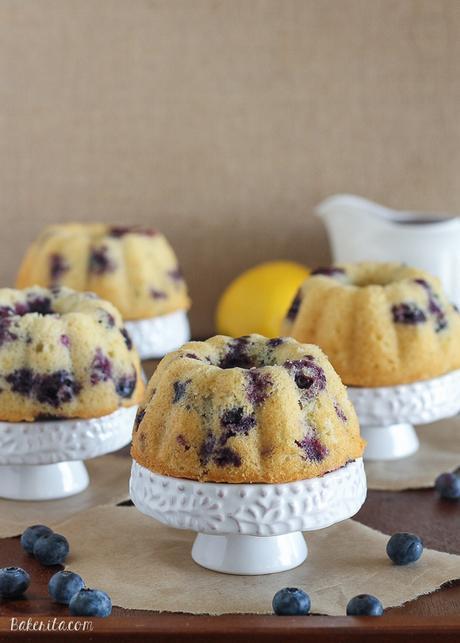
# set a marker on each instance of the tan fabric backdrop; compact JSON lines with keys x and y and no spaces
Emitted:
{"x":223,"y":121}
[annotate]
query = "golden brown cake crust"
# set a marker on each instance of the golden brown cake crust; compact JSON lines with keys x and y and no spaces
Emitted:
{"x":381,"y":324}
{"x":64,"y":354}
{"x":246,"y":410}
{"x":133,"y":268}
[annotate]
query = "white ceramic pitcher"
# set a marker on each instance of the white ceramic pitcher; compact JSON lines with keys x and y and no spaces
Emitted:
{"x":360,"y":230}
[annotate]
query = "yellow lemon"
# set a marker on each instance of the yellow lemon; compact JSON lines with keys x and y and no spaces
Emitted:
{"x":257,"y":300}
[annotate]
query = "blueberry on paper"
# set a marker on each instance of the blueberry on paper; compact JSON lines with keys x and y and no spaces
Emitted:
{"x":31,"y":535}
{"x":14,"y":581}
{"x":51,"y":549}
{"x":90,"y":602}
{"x":404,"y":548}
{"x":64,"y":585}
{"x":364,"y":605}
{"x":291,"y":601}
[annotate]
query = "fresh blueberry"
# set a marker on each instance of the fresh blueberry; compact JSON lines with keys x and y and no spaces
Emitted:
{"x":21,"y":380}
{"x":65,"y":340}
{"x":127,"y":338}
{"x":291,"y":601}
{"x":5,"y":333}
{"x":328,"y":271}
{"x":226,"y":457}
{"x":51,"y":549}
{"x":32,"y":534}
{"x":276,"y":341}
{"x":55,"y":388}
{"x":295,"y":305}
{"x":176,"y":274}
{"x":448,"y":486}
{"x":100,"y":262}
{"x":40,"y":305}
{"x":58,"y":266}
{"x":158,"y":294}
{"x":408,"y":314}
{"x":125,"y":385}
{"x":90,"y":602}
{"x":50,"y":388}
{"x":179,"y":390}
{"x":237,"y":354}
{"x":237,"y":422}
{"x":107,"y":318}
{"x":64,"y":585}
{"x":101,"y":368}
{"x":6,"y":311}
{"x":258,"y":386}
{"x":207,"y":449}
{"x":313,"y":449}
{"x":183,"y":442}
{"x":404,"y":548}
{"x":14,"y":581}
{"x":364,"y":605}
{"x":139,"y":417}
{"x":120,"y":231}
{"x":340,"y":412}
{"x":308,"y":376}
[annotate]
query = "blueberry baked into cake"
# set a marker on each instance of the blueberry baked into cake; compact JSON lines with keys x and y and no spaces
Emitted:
{"x":242,"y":410}
{"x":134,"y":268}
{"x":63,"y":354}
{"x":381,"y":324}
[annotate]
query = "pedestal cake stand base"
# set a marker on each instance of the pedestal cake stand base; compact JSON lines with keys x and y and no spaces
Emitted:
{"x":44,"y":460}
{"x":387,"y":414}
{"x":250,"y":528}
{"x":43,"y":481}
{"x":250,"y":555}
{"x":390,"y":442}
{"x":157,"y":336}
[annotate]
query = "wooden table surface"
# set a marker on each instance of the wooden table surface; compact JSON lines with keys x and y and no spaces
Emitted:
{"x":437,"y":614}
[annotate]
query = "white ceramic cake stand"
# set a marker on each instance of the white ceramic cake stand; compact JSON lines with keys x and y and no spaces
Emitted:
{"x":250,"y":528}
{"x":157,"y":336}
{"x":387,"y":414}
{"x":43,"y":460}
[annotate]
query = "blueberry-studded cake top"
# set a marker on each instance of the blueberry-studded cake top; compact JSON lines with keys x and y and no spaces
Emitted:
{"x":37,"y":319}
{"x":422,"y":303}
{"x":263,"y":366}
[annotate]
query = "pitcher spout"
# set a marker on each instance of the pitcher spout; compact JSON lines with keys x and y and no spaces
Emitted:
{"x":361,"y":230}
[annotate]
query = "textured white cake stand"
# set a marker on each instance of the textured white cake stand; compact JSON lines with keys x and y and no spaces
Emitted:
{"x":157,"y":336}
{"x":43,"y":460}
{"x":387,"y":414}
{"x":250,"y":528}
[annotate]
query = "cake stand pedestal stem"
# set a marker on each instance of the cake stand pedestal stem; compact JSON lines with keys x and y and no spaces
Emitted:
{"x":389,"y":442}
{"x":43,"y":481}
{"x":249,"y":555}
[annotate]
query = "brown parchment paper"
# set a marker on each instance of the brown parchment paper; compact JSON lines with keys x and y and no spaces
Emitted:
{"x":109,"y":476}
{"x":149,"y":566}
{"x":439,"y":451}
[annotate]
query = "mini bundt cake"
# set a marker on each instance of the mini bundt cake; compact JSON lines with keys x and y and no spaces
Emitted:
{"x":133,"y":268}
{"x":246,"y":410}
{"x":380,"y":324}
{"x":63,"y":354}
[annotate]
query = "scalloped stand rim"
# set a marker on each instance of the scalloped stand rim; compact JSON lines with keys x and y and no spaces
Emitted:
{"x":250,"y":529}
{"x":56,"y":475}
{"x":156,"y":336}
{"x":387,"y":414}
